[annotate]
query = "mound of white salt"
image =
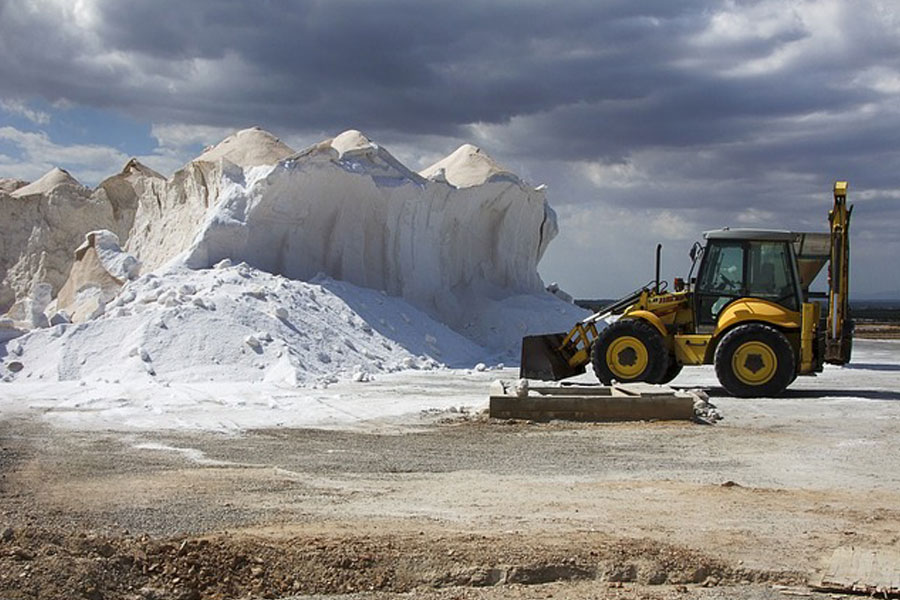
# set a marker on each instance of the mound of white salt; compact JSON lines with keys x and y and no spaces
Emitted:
{"x":467,"y":166}
{"x":248,"y":148}
{"x":51,"y":179}
{"x":349,"y":209}
{"x":236,"y":323}
{"x":451,"y":259}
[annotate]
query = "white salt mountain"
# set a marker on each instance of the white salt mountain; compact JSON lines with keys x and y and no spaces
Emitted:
{"x":347,"y":208}
{"x":459,"y":243}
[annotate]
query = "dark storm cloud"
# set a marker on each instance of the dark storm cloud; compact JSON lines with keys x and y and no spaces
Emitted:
{"x":583,"y":80}
{"x":713,"y":108}
{"x":405,"y":65}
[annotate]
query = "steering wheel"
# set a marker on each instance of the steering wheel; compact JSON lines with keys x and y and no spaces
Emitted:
{"x":724,"y":283}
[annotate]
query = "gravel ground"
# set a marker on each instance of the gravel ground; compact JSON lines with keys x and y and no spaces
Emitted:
{"x":459,"y":506}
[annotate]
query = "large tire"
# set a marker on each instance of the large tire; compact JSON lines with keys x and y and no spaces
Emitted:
{"x":672,"y":371}
{"x":754,"y":360}
{"x":629,"y":350}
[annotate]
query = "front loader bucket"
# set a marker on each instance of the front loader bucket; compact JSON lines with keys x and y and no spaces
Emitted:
{"x":543,"y":359}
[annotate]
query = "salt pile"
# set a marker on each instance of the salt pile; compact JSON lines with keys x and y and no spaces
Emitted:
{"x":236,"y":323}
{"x":348,"y":208}
{"x":256,"y":263}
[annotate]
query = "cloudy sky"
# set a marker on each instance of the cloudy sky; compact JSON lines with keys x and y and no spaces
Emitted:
{"x":650,"y":121}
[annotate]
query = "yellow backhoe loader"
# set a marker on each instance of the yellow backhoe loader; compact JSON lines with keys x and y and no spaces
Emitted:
{"x":748,"y":311}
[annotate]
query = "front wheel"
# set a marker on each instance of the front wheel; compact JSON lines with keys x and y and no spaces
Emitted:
{"x":671,"y":372}
{"x":754,"y":360}
{"x":629,"y":350}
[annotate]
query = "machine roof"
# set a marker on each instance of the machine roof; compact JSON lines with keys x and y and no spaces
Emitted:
{"x":777,"y":235}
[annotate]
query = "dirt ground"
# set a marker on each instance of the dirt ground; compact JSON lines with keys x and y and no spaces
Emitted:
{"x":459,"y":506}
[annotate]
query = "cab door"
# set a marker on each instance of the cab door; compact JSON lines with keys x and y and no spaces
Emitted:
{"x":720,"y":280}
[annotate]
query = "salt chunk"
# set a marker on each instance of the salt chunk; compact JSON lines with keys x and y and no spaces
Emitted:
{"x":187,"y":289}
{"x":281,"y":313}
{"x":223,"y":264}
{"x":251,"y":341}
{"x":172,"y":301}
{"x":480,"y":367}
{"x":97,"y":312}
{"x":60,"y":317}
{"x":522,"y":388}
{"x":149,"y":297}
{"x":16,"y":348}
{"x":198,"y":302}
{"x":145,"y":356}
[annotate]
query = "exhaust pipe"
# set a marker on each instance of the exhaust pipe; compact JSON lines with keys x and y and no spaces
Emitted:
{"x":658,"y":256}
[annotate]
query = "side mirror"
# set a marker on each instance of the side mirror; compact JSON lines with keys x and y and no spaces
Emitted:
{"x":695,"y":251}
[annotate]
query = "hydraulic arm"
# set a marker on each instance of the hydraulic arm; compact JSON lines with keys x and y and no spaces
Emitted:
{"x":839,"y":327}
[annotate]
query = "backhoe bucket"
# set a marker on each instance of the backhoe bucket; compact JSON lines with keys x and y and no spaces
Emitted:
{"x":543,"y":359}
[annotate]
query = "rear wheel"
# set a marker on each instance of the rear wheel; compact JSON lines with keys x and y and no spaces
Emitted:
{"x":629,"y":350}
{"x":754,"y":360}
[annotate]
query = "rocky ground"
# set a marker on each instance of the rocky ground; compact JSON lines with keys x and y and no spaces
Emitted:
{"x":457,"y":506}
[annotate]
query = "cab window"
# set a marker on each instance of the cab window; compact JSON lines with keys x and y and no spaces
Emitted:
{"x":725,"y":269}
{"x":770,"y":274}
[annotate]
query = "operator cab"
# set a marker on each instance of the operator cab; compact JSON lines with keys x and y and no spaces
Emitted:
{"x":746,"y":263}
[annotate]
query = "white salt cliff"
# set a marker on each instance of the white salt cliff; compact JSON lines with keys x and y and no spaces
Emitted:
{"x":258,"y":263}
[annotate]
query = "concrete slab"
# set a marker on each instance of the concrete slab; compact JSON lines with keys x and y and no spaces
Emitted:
{"x":621,"y":402}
